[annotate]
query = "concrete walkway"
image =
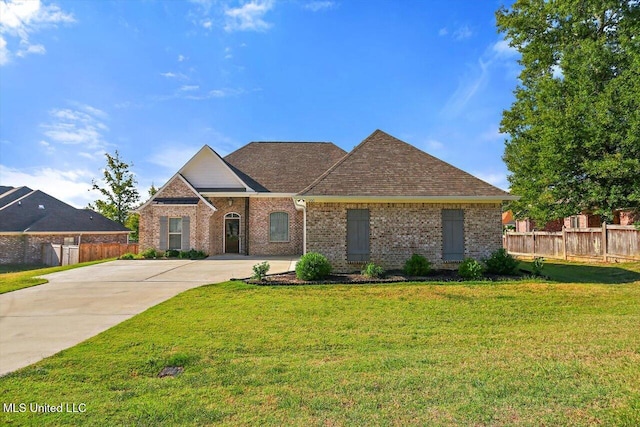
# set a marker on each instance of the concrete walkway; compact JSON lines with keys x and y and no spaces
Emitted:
{"x":77,"y":304}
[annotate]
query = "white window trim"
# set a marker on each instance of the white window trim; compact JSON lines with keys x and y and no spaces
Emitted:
{"x":231,"y":215}
{"x":169,"y":233}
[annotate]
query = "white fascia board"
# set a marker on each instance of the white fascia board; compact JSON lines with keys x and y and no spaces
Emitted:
{"x":273,"y":195}
{"x":224,"y":165}
{"x":408,"y":199}
{"x":227,"y":194}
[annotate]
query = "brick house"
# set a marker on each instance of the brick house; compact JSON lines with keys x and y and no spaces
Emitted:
{"x":382,"y":202}
{"x":30,"y":218}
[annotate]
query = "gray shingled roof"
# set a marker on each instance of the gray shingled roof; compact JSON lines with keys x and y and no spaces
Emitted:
{"x":9,"y":194}
{"x":383,"y":165}
{"x":283,"y":167}
{"x":39,"y":212}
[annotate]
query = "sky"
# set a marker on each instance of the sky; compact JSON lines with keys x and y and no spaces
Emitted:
{"x":157,"y":80}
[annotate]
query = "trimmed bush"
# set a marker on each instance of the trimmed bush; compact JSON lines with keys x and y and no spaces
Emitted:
{"x":500,"y":262}
{"x":171,"y":253}
{"x":192,"y":254}
{"x":128,"y":255}
{"x":417,"y":265}
{"x":470,"y":269}
{"x":149,"y":253}
{"x":313,"y":266}
{"x":260,"y":270}
{"x":373,"y":270}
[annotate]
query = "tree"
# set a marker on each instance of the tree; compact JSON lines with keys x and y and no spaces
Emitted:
{"x":133,"y":220}
{"x":119,"y":191}
{"x":575,"y":124}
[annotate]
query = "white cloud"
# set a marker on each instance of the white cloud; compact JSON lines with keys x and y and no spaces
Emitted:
{"x":188,"y":88}
{"x":493,"y":134}
{"x":502,"y":48}
{"x":174,"y":157}
{"x":496,"y":179}
{"x":4,"y":52}
{"x":467,"y":89}
{"x":181,"y":58}
{"x":462,"y":32}
{"x":21,"y":18}
{"x":71,"y":127}
{"x":69,"y":185}
{"x":443,"y":31}
{"x":248,"y":17}
{"x":206,"y":24}
{"x":34,"y":48}
{"x":434,"y":145}
{"x":316,"y":6}
{"x":171,"y":75}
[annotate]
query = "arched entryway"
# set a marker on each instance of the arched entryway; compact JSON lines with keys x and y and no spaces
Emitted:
{"x":231,"y":233}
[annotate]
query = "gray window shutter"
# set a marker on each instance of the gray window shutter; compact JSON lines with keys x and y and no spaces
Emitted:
{"x":164,"y":233}
{"x":186,"y":244}
{"x":358,"y":235}
{"x":452,"y":234}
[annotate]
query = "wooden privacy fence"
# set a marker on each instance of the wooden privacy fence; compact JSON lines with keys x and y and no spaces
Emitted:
{"x":72,"y":254}
{"x":96,"y":251}
{"x":606,"y":243}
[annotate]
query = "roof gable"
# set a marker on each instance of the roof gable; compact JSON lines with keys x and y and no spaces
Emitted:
{"x":207,"y":170}
{"x":384,"y":166}
{"x":284,"y":167}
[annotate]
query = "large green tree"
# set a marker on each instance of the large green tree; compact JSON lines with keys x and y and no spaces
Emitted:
{"x":574,"y":128}
{"x":118,"y":188}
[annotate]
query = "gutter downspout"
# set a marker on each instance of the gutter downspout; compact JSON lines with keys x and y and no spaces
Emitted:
{"x":301,"y":205}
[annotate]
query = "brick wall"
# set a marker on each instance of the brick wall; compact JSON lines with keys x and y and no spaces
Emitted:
{"x":207,"y":226}
{"x":200,"y":216}
{"x":27,"y":248}
{"x":398,"y":230}
{"x":259,"y":211}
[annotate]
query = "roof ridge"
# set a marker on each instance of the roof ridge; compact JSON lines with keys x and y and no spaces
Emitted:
{"x":342,"y":160}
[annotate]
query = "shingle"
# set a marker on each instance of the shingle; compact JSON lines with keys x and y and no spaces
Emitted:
{"x":40,"y":212}
{"x":12,"y":194}
{"x":284,"y":167}
{"x":383,"y":165}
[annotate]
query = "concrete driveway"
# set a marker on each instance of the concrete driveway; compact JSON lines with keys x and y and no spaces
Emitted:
{"x":77,"y":304}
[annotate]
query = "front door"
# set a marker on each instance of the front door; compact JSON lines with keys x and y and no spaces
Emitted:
{"x":232,"y":235}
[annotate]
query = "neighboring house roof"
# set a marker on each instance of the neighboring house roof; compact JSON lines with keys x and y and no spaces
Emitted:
{"x":507,"y":218}
{"x":384,"y":166}
{"x":9,"y":194}
{"x":283,"y":167}
{"x":39,"y":212}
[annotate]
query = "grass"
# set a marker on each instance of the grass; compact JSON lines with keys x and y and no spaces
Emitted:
{"x":535,"y":353}
{"x":14,"y":277}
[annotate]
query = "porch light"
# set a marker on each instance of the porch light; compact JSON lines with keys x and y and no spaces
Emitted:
{"x":230,"y":200}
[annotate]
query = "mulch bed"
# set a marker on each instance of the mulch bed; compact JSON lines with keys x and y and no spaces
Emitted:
{"x":440,"y":276}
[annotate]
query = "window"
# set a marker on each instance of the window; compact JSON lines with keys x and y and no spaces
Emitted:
{"x":175,"y":233}
{"x":452,"y":235}
{"x":68,"y":241}
{"x":357,"y":235}
{"x":279,"y":227}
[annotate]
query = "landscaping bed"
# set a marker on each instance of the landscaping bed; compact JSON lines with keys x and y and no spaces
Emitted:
{"x":393,"y":276}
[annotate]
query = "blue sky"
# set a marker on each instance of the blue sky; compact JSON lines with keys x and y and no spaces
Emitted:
{"x":156,"y":80}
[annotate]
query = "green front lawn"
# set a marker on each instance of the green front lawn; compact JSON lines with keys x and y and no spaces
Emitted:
{"x":404,"y":354}
{"x":14,"y":277}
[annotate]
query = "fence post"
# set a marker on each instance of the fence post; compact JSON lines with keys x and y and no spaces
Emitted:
{"x":564,"y":242}
{"x":604,"y":241}
{"x":533,"y":235}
